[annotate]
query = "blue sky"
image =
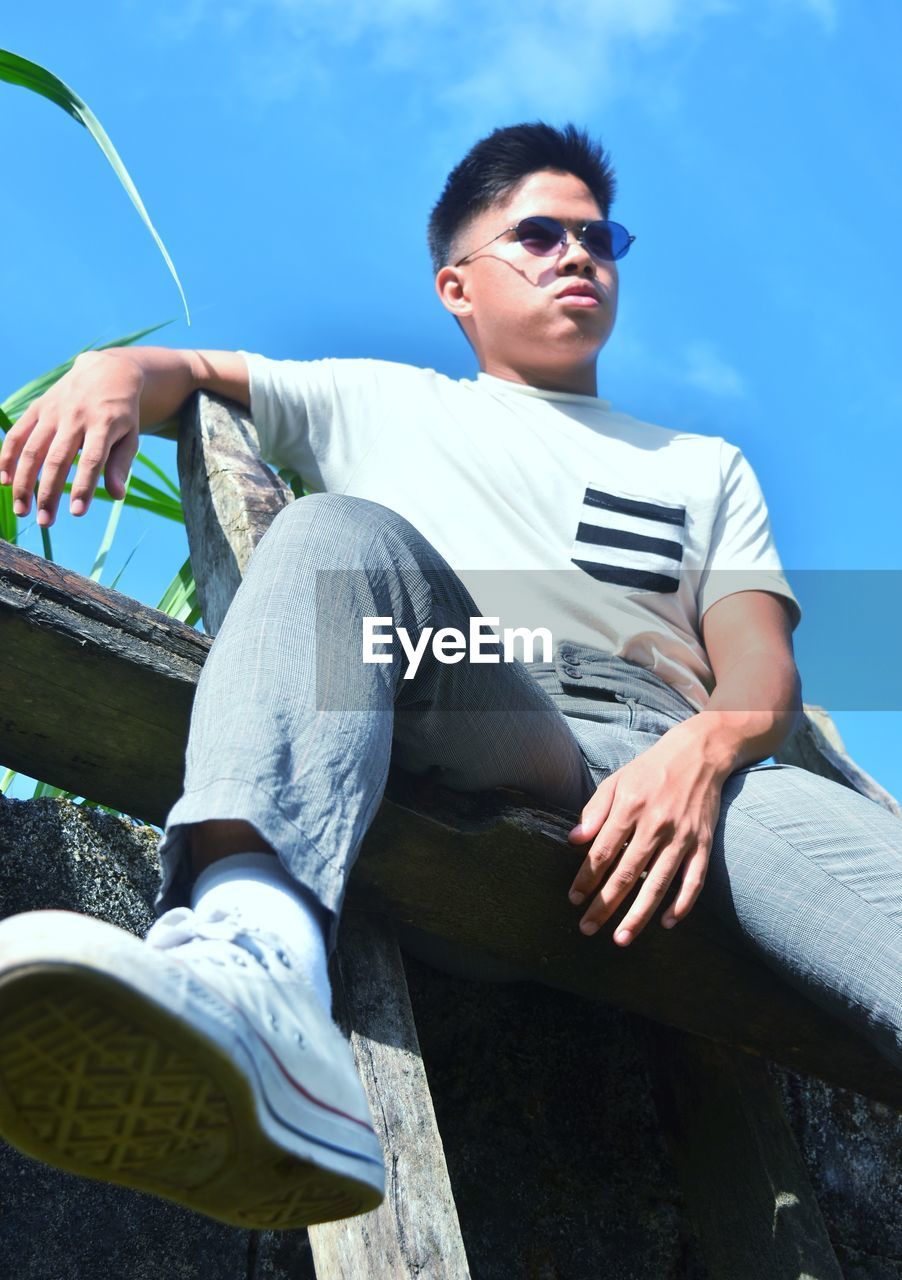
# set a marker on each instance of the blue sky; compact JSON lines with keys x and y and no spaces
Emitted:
{"x":289,"y":152}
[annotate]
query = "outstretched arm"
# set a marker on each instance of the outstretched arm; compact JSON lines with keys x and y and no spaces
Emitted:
{"x":664,"y":804}
{"x":97,"y":409}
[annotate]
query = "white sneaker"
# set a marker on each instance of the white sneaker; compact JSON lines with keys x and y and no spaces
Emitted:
{"x":197,"y":1065}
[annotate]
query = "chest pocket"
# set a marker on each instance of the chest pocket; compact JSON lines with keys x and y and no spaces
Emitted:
{"x":632,"y":542}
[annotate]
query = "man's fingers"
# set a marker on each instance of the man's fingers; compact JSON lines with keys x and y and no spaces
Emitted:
{"x":606,"y":847}
{"x":695,"y":868}
{"x":118,"y":465}
{"x":654,"y":888}
{"x":31,"y":459}
{"x":87,"y":476}
{"x":637,"y":870}
{"x":14,"y":442}
{"x":623,"y":878}
{"x":62,"y":450}
{"x":594,"y":813}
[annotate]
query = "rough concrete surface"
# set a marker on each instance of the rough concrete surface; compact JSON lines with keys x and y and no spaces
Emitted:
{"x":557,"y":1166}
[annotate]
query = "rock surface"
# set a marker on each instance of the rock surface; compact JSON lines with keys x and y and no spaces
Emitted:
{"x":551,"y":1137}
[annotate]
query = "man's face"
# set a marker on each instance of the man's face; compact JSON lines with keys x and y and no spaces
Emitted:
{"x":513,"y":304}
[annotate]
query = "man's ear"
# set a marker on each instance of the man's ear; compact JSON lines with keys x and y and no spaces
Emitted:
{"x":451,"y":287}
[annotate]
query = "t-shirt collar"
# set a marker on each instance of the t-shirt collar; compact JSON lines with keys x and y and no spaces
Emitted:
{"x":492,"y":383}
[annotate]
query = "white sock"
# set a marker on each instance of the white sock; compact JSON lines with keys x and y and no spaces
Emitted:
{"x":258,"y":886}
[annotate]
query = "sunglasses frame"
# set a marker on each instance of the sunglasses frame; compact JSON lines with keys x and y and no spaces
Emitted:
{"x":578,"y":230}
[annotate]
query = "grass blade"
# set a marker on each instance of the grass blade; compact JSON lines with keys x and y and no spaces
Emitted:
{"x":44,"y":790}
{"x":180,"y":597}
{"x":158,"y":471}
{"x":46,"y":542}
{"x":115,"y":583}
{"x":163,"y":506}
{"x":7,"y":780}
{"x":9,"y":521}
{"x":109,"y":534}
{"x":17,"y":70}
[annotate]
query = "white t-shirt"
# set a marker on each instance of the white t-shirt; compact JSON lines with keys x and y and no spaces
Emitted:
{"x":556,"y":510}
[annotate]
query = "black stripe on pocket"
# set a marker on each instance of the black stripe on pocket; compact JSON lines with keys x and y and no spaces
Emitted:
{"x":642,"y":579}
{"x":630,"y":541}
{"x":632,"y":507}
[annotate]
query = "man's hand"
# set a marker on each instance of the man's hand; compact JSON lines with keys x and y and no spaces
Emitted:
{"x":666,"y":802}
{"x":663,"y":806}
{"x":93,"y":408}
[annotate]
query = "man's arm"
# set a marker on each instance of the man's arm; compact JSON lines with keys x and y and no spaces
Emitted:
{"x":665,"y":803}
{"x":98,"y":409}
{"x":757,"y":699}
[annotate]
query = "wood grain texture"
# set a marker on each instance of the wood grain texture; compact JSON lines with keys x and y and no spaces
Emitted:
{"x":229,"y":496}
{"x":95,"y":689}
{"x":415,"y":1232}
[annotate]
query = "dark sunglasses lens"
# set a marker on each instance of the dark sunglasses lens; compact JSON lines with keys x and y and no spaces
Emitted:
{"x":540,"y":235}
{"x":607,"y":240}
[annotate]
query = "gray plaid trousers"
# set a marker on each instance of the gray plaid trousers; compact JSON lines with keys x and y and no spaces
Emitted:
{"x":292,"y":732}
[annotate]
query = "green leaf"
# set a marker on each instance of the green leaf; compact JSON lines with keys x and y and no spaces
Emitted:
{"x":115,"y":583}
{"x":9,"y":521}
{"x":158,"y":471}
{"x":152,"y":491}
{"x":180,"y":597}
{"x":109,"y":534}
{"x":46,"y":543}
{"x":6,"y":781}
{"x":17,"y":70}
{"x":163,"y":506}
{"x":44,"y":790}
{"x":293,"y":480}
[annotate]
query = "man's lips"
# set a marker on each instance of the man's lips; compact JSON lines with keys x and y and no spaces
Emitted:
{"x":580,"y":294}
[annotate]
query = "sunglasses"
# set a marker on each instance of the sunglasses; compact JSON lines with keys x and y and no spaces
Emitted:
{"x":605,"y":241}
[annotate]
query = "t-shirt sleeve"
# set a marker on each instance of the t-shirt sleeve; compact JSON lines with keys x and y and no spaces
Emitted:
{"x":316,"y":417}
{"x":742,"y":554}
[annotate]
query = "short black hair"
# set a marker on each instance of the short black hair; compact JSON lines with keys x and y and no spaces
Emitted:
{"x":497,"y":163}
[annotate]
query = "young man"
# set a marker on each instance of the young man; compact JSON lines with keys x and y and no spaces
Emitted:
{"x":647,"y":555}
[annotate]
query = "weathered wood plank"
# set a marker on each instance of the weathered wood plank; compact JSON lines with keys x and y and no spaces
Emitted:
{"x":488,"y":872}
{"x":415,"y":1232}
{"x":745,"y":1182}
{"x":230,"y":499}
{"x":95,"y":689}
{"x":491,"y":875}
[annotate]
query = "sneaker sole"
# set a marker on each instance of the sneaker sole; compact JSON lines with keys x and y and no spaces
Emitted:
{"x":100,"y":1081}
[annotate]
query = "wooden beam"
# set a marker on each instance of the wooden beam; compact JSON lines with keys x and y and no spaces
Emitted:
{"x":95,"y":695}
{"x":95,"y":689}
{"x":415,"y":1232}
{"x":229,"y":495}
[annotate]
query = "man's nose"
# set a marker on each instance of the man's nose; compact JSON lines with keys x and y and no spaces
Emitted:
{"x":575,"y":256}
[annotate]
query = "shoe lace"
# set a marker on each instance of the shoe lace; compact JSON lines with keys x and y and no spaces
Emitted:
{"x":181,"y":926}
{"x":188,"y":936}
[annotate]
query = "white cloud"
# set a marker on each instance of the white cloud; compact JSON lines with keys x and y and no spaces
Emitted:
{"x":706,"y":370}
{"x":824,"y":10}
{"x":555,"y":57}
